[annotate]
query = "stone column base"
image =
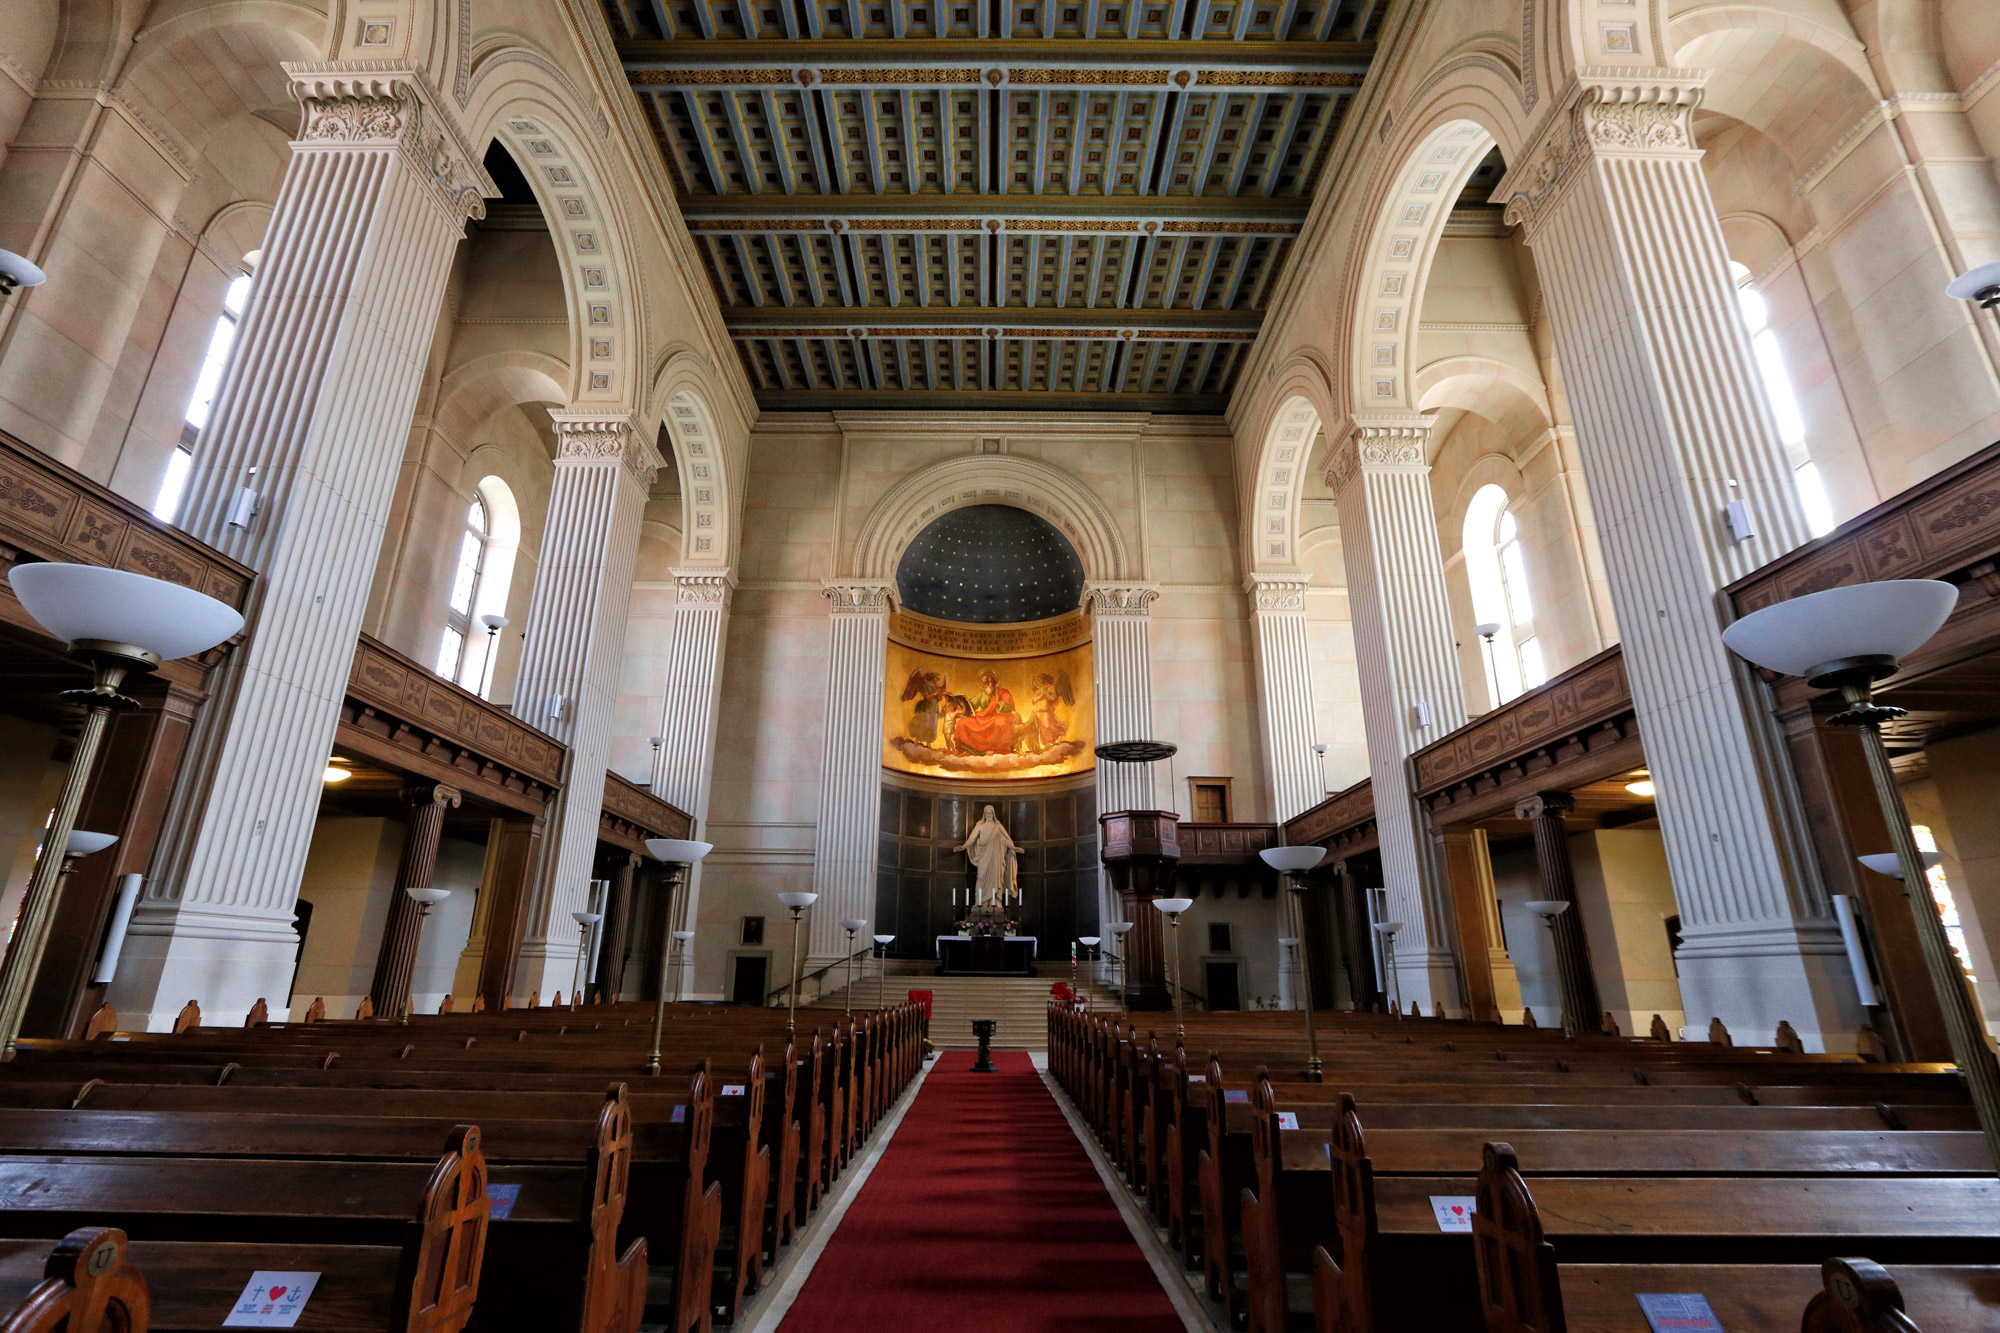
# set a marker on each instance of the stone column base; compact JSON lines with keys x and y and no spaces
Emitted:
{"x":1752,"y":979}
{"x":224,"y":965}
{"x":1430,"y":977}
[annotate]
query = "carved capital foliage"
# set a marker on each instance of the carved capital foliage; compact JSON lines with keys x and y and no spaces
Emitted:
{"x":1369,"y":446}
{"x":1278,"y":595}
{"x":432,"y":793}
{"x":1120,"y":599}
{"x":859,"y":597}
{"x":702,"y":589}
{"x":361,"y":105}
{"x":583,"y":437}
{"x":1621,"y":112}
{"x":1545,"y":804}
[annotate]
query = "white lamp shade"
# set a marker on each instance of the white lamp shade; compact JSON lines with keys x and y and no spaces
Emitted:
{"x":1890,"y":864}
{"x":84,"y":844}
{"x":884,"y":939}
{"x":853,"y":923}
{"x":1486,"y":629}
{"x":681,"y":851}
{"x":429,"y":896}
{"x":1388,"y":927}
{"x":795,"y":901}
{"x":1173,"y":906}
{"x":86,"y":602}
{"x":20,"y":270}
{"x":1891,"y":618}
{"x":493,"y":622}
{"x":586,"y":918}
{"x":683,"y":935}
{"x":1089,"y":941}
{"x":1120,"y":927}
{"x":1967,"y":286}
{"x":1293,"y":860}
{"x":1548,"y":906}
{"x":1286,"y":941}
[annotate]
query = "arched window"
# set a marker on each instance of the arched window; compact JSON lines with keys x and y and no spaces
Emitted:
{"x":480,"y":583}
{"x":1784,"y":403}
{"x":173,"y":486}
{"x":1497,"y":569}
{"x":464,"y":590}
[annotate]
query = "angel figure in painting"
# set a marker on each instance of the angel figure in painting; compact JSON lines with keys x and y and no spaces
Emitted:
{"x":1045,"y":724}
{"x":992,"y":854}
{"x":928,"y":688}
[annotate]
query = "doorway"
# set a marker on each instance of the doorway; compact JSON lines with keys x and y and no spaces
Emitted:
{"x":1223,"y":993}
{"x":747,"y":986}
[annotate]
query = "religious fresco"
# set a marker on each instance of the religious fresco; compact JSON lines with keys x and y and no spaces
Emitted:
{"x":982,"y":713}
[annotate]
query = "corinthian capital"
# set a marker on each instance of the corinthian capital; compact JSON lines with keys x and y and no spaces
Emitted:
{"x":1377,"y":444}
{"x":1609,"y":111}
{"x":859,"y":597}
{"x":1277,"y":594}
{"x":589,"y":437}
{"x":360,"y":104}
{"x":1120,"y":599}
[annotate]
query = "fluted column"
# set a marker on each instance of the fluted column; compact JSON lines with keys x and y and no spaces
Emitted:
{"x":1544,"y":812}
{"x":610,"y":977}
{"x":396,"y":961}
{"x":312,"y":416}
{"x":686,"y":758}
{"x":1284,"y":693}
{"x":1411,"y":693}
{"x":1121,"y":654}
{"x":1673,"y":426}
{"x":568,"y":681}
{"x":850,"y":766}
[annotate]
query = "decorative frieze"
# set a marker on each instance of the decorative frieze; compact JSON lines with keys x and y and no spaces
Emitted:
{"x":1132,"y":599}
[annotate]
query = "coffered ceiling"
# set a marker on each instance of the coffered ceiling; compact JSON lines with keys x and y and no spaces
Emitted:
{"x":995,"y":203}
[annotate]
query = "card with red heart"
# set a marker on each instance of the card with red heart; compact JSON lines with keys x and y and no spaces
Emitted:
{"x":1454,"y":1211}
{"x":272,"y":1300}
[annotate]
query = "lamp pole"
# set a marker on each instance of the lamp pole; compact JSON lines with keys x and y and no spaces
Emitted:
{"x":852,"y":925}
{"x":1486,"y":630}
{"x":1173,"y":907}
{"x":1548,"y":909}
{"x":494,"y":624}
{"x":1847,"y":639}
{"x":117,"y":623}
{"x":680,"y":855}
{"x":798,"y":903}
{"x":1121,"y":929}
{"x":584,"y":921}
{"x":882,"y":943}
{"x":1387,"y":930}
{"x":1293,"y":863}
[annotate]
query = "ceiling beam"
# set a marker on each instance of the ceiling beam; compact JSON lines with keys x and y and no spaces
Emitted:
{"x":1121,"y":213}
{"x":751,"y":321}
{"x":990,"y":400}
{"x":1201,"y":57}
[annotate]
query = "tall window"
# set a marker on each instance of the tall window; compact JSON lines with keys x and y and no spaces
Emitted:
{"x":464,"y":590}
{"x":173,"y":486}
{"x":1947,"y":904}
{"x":1496,"y":566}
{"x":1784,"y":403}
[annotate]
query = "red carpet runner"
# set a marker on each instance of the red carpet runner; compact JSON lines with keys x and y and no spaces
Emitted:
{"x":983,"y":1214}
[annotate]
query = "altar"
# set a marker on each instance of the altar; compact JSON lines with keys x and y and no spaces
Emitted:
{"x":987,"y":955}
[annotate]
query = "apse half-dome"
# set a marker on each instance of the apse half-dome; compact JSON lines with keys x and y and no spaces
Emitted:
{"x":990,"y":565}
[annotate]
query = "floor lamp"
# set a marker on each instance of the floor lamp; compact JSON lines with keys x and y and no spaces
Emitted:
{"x":1292,"y":863}
{"x":494,"y":624}
{"x":1089,"y":942}
{"x":798,"y":903}
{"x":1847,"y":639}
{"x":681,"y":856}
{"x":853,"y":925}
{"x":425,"y":897}
{"x":1486,"y":630}
{"x":584,"y":921}
{"x":1173,"y":907}
{"x":1387,"y":930}
{"x":678,"y":974}
{"x":117,"y":623}
{"x":1548,"y":909}
{"x":882,"y":943}
{"x":1120,"y":929}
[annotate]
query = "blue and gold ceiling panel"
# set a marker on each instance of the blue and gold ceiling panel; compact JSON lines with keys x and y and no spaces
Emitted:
{"x":1007,"y":202}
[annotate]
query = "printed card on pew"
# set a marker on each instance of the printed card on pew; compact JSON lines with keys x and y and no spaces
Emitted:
{"x":1288,"y":1120}
{"x":500,"y":1201}
{"x":272,"y":1300}
{"x":1454,"y":1211}
{"x":732,"y":1090}
{"x":1679,"y":1312}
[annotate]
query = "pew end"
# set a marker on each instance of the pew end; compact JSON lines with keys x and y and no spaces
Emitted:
{"x":86,"y":1284}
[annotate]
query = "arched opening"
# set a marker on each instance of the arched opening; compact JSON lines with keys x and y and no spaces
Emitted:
{"x":214,"y":361}
{"x":1813,"y":497}
{"x":1502,"y":596}
{"x":475,"y":610}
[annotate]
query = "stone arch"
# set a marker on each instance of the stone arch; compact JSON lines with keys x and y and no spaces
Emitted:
{"x":1506,"y":395}
{"x":1745,"y":48}
{"x":1271,"y":501}
{"x":234,"y":51}
{"x":1025,"y":483}
{"x":708,"y":529}
{"x":526,"y":104}
{"x":1394,"y":264}
{"x":471,"y":393}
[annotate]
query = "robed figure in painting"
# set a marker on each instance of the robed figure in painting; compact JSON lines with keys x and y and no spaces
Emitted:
{"x":992,"y":854}
{"x":989,"y":729}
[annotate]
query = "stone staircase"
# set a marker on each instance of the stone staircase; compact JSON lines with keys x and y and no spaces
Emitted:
{"x":1018,"y":1004}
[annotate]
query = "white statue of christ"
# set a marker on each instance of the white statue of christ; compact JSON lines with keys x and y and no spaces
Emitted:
{"x":992,"y":854}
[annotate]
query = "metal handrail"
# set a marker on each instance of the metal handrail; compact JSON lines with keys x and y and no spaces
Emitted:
{"x":816,"y":975}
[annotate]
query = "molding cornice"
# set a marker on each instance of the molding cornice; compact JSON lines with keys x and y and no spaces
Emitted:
{"x":1607,"y":112}
{"x":593,"y":437}
{"x":860,"y":597}
{"x":362,"y":104}
{"x":1120,"y":599}
{"x":1377,"y":444}
{"x":1276,"y":594}
{"x":702,"y":589}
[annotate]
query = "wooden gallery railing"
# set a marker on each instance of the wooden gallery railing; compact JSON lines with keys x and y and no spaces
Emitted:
{"x":1945,"y":527}
{"x":50,"y":512}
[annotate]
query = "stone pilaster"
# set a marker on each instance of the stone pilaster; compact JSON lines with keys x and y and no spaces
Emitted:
{"x":1122,"y":663}
{"x":317,"y":400}
{"x":568,"y":681}
{"x":1284,"y":693}
{"x":686,"y":758}
{"x":1673,"y":426}
{"x":1411,"y":693}
{"x":850,"y":792}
